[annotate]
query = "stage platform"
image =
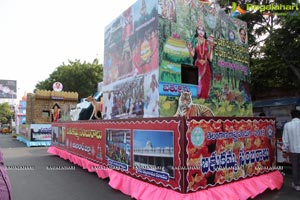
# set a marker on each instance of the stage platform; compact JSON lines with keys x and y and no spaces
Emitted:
{"x":34,"y":143}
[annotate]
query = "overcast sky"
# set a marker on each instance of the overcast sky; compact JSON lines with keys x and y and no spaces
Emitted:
{"x":37,"y":36}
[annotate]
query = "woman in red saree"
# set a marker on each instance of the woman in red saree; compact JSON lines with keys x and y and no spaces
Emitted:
{"x":55,"y":113}
{"x":201,"y":50}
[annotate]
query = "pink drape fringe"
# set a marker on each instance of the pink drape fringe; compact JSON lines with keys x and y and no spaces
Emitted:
{"x":238,"y":190}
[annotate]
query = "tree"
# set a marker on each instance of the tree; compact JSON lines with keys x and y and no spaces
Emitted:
{"x":6,"y":113}
{"x":279,"y":66}
{"x":274,"y":42}
{"x":76,"y":77}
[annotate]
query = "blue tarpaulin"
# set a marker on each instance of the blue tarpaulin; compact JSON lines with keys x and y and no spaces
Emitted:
{"x":276,"y":102}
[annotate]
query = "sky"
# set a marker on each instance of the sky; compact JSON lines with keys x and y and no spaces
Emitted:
{"x":142,"y":136}
{"x":37,"y":36}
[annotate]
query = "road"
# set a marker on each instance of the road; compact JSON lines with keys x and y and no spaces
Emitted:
{"x":31,"y":177}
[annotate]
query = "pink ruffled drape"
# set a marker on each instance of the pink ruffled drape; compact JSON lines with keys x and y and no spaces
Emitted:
{"x":238,"y":190}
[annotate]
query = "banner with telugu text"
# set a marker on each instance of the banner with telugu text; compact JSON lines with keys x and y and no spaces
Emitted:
{"x":184,"y":155}
{"x":220,"y":151}
{"x":135,"y":148}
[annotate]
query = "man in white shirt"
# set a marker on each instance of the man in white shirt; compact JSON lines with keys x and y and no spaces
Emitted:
{"x":291,"y":145}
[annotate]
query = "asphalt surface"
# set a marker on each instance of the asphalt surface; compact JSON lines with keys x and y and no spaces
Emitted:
{"x":31,"y":176}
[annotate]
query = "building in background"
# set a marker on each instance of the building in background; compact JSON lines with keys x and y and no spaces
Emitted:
{"x":21,"y":113}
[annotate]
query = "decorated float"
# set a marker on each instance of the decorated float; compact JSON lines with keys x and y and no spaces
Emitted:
{"x":42,"y":109}
{"x":177,"y":111}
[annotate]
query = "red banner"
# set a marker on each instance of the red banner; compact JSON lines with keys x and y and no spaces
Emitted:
{"x":148,"y":150}
{"x":221,"y":151}
{"x":218,"y":150}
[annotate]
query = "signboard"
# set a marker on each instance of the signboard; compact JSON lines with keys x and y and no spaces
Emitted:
{"x":136,"y":149}
{"x":217,"y":150}
{"x":8,"y":89}
{"x":221,"y":151}
{"x":188,"y":46}
{"x":40,"y":132}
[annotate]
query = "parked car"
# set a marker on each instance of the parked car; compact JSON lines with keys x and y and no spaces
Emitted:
{"x":6,"y":128}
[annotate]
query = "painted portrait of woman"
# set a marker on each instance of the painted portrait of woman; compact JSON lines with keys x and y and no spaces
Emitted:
{"x":201,"y":49}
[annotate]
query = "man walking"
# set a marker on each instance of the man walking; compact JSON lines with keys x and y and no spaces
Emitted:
{"x":291,"y":145}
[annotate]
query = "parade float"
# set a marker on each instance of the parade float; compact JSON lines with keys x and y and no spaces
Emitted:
{"x":177,"y":111}
{"x":42,"y":109}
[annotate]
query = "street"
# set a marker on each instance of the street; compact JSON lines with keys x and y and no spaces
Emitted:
{"x":32,"y":175}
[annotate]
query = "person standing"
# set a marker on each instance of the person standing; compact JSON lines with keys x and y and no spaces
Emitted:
{"x":291,"y":145}
{"x":5,"y":187}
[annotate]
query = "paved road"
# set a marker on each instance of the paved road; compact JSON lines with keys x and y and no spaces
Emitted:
{"x":40,"y":183}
